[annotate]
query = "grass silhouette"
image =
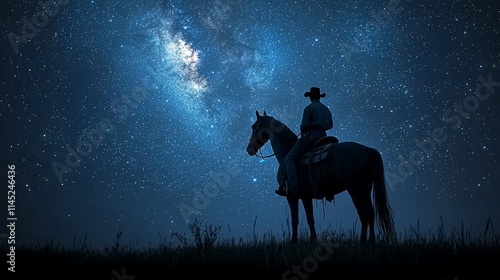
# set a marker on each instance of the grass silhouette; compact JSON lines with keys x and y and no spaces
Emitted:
{"x":441,"y":254}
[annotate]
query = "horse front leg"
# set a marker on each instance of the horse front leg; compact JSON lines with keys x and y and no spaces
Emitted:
{"x":308,"y":207}
{"x":293,"y":202}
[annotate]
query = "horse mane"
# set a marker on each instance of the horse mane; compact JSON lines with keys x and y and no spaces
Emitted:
{"x":278,"y":125}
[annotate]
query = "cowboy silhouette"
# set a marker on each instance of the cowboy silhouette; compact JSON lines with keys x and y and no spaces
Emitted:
{"x":316,"y":120}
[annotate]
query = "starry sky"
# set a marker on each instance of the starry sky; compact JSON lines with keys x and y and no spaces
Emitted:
{"x":134,"y":116}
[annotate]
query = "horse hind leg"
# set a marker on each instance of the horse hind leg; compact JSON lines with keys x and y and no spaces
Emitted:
{"x":366,"y":214}
{"x":308,"y":207}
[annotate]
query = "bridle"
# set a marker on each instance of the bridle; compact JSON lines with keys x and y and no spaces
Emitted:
{"x":274,"y":154}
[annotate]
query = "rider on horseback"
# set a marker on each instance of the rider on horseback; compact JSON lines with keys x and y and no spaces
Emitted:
{"x":316,"y":120}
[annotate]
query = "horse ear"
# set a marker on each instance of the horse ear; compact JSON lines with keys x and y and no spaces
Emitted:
{"x":257,"y":114}
{"x":265,"y":114}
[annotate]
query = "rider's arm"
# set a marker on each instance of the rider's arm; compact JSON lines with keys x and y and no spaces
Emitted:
{"x":305,"y":119}
{"x":330,"y":120}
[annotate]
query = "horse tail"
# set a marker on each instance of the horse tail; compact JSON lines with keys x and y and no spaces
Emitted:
{"x":383,"y":210}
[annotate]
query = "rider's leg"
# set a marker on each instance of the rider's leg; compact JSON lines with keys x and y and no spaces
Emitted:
{"x":291,"y":165}
{"x":291,"y":160}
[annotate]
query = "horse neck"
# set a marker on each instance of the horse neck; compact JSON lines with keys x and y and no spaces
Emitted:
{"x":282,"y":143}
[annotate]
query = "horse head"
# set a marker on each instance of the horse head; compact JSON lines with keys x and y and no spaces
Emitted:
{"x":260,"y":133}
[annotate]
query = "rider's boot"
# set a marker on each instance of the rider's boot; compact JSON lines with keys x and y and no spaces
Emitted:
{"x":282,"y":189}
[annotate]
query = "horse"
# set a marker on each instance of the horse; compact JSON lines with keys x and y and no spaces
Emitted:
{"x":349,"y":166}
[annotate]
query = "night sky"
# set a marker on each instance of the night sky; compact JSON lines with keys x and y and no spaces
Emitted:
{"x":134,"y":116}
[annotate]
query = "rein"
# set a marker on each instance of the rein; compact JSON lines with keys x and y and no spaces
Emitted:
{"x":274,"y":154}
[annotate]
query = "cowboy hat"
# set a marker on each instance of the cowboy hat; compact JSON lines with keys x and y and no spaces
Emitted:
{"x":314,"y":92}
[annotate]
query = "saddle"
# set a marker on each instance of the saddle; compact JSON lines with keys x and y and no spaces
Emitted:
{"x":319,"y":150}
{"x":312,"y":173}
